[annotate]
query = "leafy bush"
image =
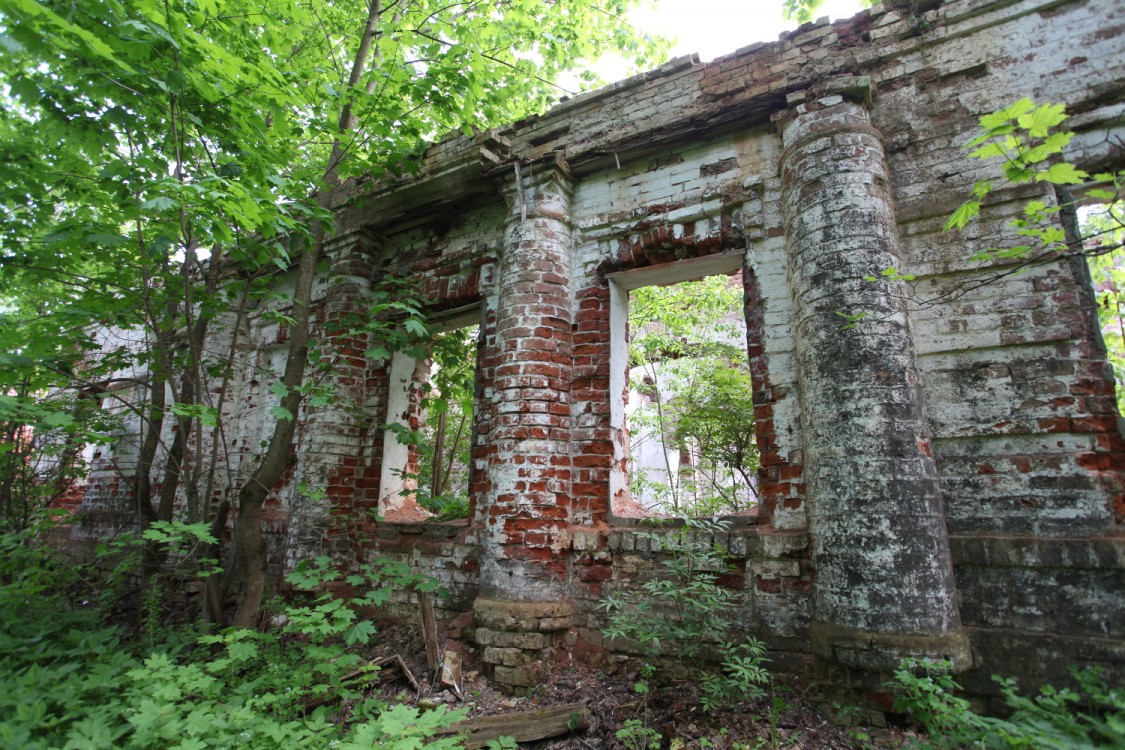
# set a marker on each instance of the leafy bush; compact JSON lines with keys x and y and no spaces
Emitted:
{"x":70,"y":682}
{"x":636,"y":735}
{"x":1054,"y":719}
{"x":683,"y":608}
{"x":742,"y":677}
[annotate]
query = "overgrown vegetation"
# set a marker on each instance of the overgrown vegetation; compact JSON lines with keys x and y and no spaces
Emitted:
{"x":1083,"y":221}
{"x":679,"y":617}
{"x":1053,"y":719}
{"x":74,"y":682}
{"x":691,"y":421}
{"x":147,"y":148}
{"x":443,"y":442}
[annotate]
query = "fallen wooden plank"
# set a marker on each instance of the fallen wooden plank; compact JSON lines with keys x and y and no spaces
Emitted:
{"x":522,"y":726}
{"x":451,"y":673}
{"x":398,"y":662}
{"x":429,"y":631}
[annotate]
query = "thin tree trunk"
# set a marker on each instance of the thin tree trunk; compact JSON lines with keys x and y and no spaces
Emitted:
{"x":248,"y":549}
{"x":437,"y":484}
{"x":213,"y":589}
{"x":249,"y":569}
{"x":453,"y":450}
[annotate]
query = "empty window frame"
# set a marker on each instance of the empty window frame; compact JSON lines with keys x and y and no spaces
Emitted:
{"x":430,"y":410}
{"x":681,"y":406}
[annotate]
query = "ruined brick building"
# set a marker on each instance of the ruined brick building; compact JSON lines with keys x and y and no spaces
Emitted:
{"x":942,"y":478}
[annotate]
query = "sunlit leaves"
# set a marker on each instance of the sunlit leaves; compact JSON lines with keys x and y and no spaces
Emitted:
{"x":140,"y":137}
{"x":1023,"y":136}
{"x":1039,"y":120}
{"x":965,"y":213}
{"x":1062,"y":174}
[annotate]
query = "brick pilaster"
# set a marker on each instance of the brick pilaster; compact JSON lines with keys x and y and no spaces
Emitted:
{"x":884,"y":584}
{"x":527,"y":507}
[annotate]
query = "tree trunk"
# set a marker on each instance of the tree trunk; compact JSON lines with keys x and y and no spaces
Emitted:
{"x":248,"y":571}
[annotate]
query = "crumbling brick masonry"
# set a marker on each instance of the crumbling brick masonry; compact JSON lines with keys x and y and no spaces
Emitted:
{"x":942,"y":478}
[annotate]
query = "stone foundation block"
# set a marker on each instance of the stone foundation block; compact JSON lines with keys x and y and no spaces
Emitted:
{"x":507,"y":657}
{"x":502,"y":639}
{"x":554,"y":624}
{"x":523,"y":616}
{"x":518,"y":677}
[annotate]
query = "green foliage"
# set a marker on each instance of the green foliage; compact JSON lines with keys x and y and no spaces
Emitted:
{"x":146,"y":143}
{"x":636,"y":735}
{"x":73,"y":683}
{"x":804,"y":11}
{"x":687,"y":341}
{"x":743,"y":676}
{"x":41,"y":440}
{"x":62,"y":669}
{"x":679,"y":612}
{"x":1056,"y":719}
{"x":682,"y":608}
{"x":851,"y":320}
{"x":927,"y":691}
{"x":441,"y":444}
{"x":1024,"y":136}
{"x":444,"y":459}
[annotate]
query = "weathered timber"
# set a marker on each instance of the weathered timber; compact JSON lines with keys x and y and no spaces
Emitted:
{"x":522,"y":726}
{"x":429,"y":630}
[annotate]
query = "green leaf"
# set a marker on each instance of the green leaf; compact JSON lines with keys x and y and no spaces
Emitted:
{"x":58,"y":419}
{"x":280,"y":412}
{"x":1062,"y":173}
{"x":1016,"y":109}
{"x":241,"y":651}
{"x":990,"y":133}
{"x":159,"y":203}
{"x":360,"y":632}
{"x":963,"y":215}
{"x":1015,"y":172}
{"x":988,"y":151}
{"x":1040,"y":120}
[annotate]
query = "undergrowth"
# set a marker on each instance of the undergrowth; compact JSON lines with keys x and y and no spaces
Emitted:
{"x":681,"y":611}
{"x":1053,"y":719}
{"x":70,"y":681}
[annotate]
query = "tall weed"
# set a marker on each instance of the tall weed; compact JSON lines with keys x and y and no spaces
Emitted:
{"x":1054,"y":719}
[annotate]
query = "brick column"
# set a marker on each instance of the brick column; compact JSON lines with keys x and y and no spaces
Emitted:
{"x":331,"y":437}
{"x":526,"y":512}
{"x":884,"y":584}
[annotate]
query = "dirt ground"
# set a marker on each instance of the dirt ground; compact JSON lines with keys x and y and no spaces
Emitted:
{"x":672,"y":710}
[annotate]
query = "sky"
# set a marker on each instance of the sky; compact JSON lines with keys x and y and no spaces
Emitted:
{"x":714,"y":28}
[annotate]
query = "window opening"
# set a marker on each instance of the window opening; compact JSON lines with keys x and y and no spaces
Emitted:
{"x":1102,"y":227}
{"x":687,"y":417}
{"x":428,"y":440}
{"x":444,"y":445}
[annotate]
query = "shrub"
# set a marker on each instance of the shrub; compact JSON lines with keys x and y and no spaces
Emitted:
{"x":1054,"y":719}
{"x":71,"y":682}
